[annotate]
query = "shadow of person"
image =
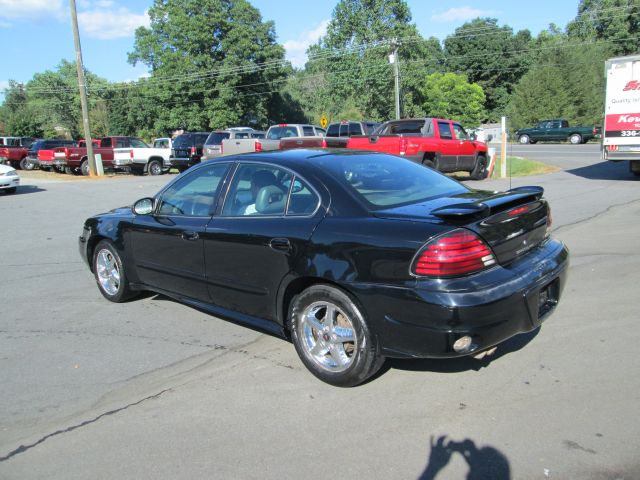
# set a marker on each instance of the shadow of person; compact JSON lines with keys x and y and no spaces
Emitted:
{"x":486,"y":463}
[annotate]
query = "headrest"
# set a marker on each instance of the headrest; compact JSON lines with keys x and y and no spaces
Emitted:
{"x":271,"y":199}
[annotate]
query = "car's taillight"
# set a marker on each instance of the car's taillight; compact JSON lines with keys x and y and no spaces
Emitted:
{"x":403,"y":145}
{"x":456,"y":253}
{"x":193,"y":150}
{"x":131,"y":154}
{"x":324,"y":143}
{"x":258,"y":146}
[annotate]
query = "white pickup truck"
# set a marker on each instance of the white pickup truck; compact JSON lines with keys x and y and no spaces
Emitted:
{"x":152,"y":160}
{"x":272,"y":139}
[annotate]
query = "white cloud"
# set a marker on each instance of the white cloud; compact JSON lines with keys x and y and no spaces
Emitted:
{"x":4,"y":84}
{"x":107,"y":25}
{"x":296,"y":49}
{"x":460,"y":14}
{"x":32,"y":8}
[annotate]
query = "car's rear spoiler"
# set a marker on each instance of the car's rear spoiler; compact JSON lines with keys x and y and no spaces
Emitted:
{"x":497,"y":203}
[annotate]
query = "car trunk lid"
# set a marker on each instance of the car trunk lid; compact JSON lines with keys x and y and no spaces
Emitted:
{"x":511,"y":222}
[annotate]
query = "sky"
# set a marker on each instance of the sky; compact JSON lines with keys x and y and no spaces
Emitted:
{"x":35,"y":35}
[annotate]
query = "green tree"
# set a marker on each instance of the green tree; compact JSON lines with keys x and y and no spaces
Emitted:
{"x":565,"y":82}
{"x":348,"y":72}
{"x":449,"y":95}
{"x":55,"y":98}
{"x":17,"y":117}
{"x":491,"y":56}
{"x":614,"y":21}
{"x":213,"y":63}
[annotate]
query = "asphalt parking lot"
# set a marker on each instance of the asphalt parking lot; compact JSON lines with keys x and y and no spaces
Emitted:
{"x":155,"y":389}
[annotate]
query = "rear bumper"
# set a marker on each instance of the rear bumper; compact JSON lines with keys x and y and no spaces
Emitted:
{"x":183,"y":162}
{"x":425,"y":321}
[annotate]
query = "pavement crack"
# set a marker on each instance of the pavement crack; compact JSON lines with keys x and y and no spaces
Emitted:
{"x":595,"y":215}
{"x":24,"y":448}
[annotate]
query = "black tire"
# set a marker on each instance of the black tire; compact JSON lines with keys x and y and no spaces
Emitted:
{"x":110,"y":274}
{"x":84,"y":167}
{"x":154,"y":168}
{"x":480,"y":171}
{"x":575,"y":139}
{"x":341,"y":361}
{"x":25,"y":164}
{"x":69,"y":171}
{"x":524,"y":139}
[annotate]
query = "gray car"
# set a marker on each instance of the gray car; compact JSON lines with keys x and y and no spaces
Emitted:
{"x":213,"y":145}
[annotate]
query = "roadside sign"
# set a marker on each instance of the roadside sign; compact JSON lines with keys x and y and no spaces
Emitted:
{"x":324,"y":122}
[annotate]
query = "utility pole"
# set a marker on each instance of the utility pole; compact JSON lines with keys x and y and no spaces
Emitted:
{"x":395,"y":60}
{"x":83,"y":89}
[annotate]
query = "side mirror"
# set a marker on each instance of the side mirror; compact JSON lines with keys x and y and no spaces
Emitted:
{"x":143,"y":206}
{"x":473,"y":136}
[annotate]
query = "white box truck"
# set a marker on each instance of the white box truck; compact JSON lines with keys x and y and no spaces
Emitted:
{"x":621,"y":132}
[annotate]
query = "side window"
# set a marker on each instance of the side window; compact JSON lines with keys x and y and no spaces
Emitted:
{"x":303,"y":200}
{"x":460,"y":132}
{"x":257,"y":190}
{"x":106,"y":142}
{"x":135,"y":143}
{"x":308,"y":132}
{"x":195,"y":193}
{"x":445,"y":130}
{"x":122,"y":143}
{"x":321,"y":131}
{"x":354,"y":129}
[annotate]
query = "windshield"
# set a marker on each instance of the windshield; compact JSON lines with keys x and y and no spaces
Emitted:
{"x":384,"y":181}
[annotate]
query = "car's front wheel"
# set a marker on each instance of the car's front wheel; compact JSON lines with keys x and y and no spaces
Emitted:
{"x":524,"y":139}
{"x":109,"y":273}
{"x":332,"y":337}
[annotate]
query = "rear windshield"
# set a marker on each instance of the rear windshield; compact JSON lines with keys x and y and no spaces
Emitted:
{"x":384,"y":181}
{"x":182,"y":141}
{"x":215,"y":138}
{"x":276,"y":133}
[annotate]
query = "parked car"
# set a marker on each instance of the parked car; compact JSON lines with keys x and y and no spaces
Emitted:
{"x":435,"y":142}
{"x":152,"y":160}
{"x":557,"y":130}
{"x":31,"y":160}
{"x":75,"y":160}
{"x":273,"y":137}
{"x":356,"y":256}
{"x":187,"y":150}
{"x":16,"y":141}
{"x":213,"y":145}
{"x":337,"y":136}
{"x":9,"y":179}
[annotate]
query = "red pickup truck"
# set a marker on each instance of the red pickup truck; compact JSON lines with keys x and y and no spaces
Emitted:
{"x":437,"y":143}
{"x":14,"y":156}
{"x":75,"y":160}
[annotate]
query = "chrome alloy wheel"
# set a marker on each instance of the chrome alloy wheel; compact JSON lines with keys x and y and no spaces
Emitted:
{"x":328,"y":336}
{"x":108,"y":271}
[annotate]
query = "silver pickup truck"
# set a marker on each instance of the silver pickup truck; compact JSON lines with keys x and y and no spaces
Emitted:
{"x":272,"y":139}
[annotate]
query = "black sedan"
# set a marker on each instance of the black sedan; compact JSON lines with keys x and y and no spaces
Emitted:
{"x":355,"y":256}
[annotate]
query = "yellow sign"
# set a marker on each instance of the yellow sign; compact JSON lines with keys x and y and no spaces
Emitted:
{"x":324,"y":122}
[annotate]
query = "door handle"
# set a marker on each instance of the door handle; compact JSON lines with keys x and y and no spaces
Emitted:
{"x":280,"y":244}
{"x":191,"y":236}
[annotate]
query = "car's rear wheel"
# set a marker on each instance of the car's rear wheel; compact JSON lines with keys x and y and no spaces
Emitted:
{"x":575,"y":139}
{"x":25,"y":164}
{"x":524,"y":139}
{"x":332,"y":337}
{"x":84,"y":168}
{"x":109,"y":273}
{"x":154,"y":168}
